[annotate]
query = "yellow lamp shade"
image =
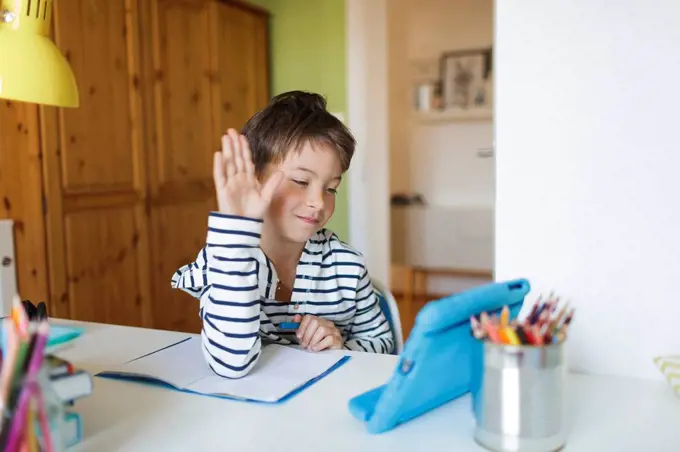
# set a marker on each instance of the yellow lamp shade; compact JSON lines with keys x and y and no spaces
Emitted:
{"x":32,"y":69}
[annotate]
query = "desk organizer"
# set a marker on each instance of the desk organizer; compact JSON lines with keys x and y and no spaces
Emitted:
{"x":518,"y":397}
{"x":36,"y":424}
{"x":34,"y":385}
{"x":518,"y":378}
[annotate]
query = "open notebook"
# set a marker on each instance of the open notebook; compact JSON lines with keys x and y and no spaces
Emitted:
{"x":280,"y":373}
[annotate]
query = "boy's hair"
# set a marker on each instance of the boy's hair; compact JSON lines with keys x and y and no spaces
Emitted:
{"x":289,"y":121}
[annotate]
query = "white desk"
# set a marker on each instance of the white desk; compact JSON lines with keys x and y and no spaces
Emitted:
{"x":610,"y":414}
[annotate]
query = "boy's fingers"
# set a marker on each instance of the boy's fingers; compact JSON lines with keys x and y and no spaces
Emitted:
{"x":238,"y":150}
{"x":228,"y":156}
{"x":249,"y":168}
{"x":327,"y":342}
{"x":300,"y":333}
{"x":218,"y":170}
{"x":270,"y":186}
{"x":320,"y":334}
{"x":310,"y":330}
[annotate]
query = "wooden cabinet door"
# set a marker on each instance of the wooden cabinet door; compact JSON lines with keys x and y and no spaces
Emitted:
{"x":242,"y":63}
{"x":177,"y":38}
{"x":95,"y":181}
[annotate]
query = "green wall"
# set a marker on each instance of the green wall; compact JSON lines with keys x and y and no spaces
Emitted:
{"x":307,"y":39}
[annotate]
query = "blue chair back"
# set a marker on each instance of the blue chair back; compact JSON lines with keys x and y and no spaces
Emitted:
{"x":388,"y":306}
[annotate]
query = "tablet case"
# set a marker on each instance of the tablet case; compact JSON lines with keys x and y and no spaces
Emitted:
{"x":435,"y":366}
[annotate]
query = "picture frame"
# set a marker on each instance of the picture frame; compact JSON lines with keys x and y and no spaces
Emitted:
{"x":465,"y":78}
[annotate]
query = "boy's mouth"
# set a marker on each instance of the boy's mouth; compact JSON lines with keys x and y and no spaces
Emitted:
{"x":308,"y":220}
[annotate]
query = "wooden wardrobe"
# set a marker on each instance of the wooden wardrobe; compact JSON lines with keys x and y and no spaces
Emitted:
{"x":109,"y":199}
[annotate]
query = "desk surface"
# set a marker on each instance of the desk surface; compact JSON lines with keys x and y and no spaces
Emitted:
{"x":608,"y":413}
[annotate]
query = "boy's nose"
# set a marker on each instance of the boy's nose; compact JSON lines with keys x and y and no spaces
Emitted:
{"x":315,"y":200}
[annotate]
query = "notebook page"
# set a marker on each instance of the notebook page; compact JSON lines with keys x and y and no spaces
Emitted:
{"x":279,"y":371}
{"x":178,"y":365}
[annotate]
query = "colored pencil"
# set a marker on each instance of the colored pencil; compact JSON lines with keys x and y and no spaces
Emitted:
{"x":9,"y":361}
{"x":18,"y":314}
{"x":28,"y":390}
{"x":505,"y":317}
{"x":477,"y":329}
{"x":546,"y":323}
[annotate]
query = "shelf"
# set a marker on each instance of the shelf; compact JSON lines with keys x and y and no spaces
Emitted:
{"x":454,"y":115}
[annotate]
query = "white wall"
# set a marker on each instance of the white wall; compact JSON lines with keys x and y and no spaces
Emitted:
{"x":587,"y":170}
{"x":447,"y":168}
{"x":442,"y":25}
{"x":367,"y":118}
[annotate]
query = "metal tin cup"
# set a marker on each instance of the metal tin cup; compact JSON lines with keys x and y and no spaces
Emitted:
{"x":518,"y":397}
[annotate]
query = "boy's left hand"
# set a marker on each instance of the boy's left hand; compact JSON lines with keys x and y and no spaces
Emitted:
{"x":318,"y":334}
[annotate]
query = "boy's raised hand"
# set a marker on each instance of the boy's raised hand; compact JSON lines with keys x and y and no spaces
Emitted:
{"x":238,"y":190}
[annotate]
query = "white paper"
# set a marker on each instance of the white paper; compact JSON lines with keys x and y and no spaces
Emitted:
{"x":279,"y":371}
{"x":178,"y":365}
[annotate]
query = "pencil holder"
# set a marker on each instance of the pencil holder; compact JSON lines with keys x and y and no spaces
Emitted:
{"x":518,"y":396}
{"x":44,"y":411}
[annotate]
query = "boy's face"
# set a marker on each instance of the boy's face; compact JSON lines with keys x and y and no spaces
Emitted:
{"x":305,"y":200}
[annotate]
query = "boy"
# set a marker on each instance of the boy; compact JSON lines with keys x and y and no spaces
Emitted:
{"x":268,"y":258}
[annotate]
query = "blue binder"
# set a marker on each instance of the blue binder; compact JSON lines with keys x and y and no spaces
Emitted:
{"x":435,"y":366}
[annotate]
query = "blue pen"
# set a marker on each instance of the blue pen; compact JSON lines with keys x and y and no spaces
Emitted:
{"x":289,"y":325}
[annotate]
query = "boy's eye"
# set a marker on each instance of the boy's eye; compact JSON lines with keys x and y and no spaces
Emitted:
{"x":333,"y":191}
{"x":302,"y":183}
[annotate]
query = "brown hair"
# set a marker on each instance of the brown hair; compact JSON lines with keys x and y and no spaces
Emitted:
{"x":289,"y":121}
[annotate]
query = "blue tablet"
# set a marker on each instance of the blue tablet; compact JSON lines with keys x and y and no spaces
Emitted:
{"x":435,"y":366}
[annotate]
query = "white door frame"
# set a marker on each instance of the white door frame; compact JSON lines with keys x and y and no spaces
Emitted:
{"x":367,"y":115}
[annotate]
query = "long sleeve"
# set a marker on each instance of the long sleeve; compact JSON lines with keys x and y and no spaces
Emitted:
{"x":370,"y":331}
{"x":231,"y":309}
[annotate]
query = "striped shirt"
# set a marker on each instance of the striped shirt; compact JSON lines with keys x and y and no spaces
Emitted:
{"x":236,"y":284}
